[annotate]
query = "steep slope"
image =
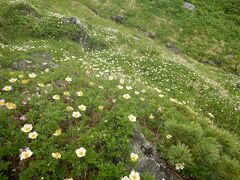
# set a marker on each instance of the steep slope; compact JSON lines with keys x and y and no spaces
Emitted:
{"x":82,"y":80}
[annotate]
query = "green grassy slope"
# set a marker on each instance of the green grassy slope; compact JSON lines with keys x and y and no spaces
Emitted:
{"x":190,"y":111}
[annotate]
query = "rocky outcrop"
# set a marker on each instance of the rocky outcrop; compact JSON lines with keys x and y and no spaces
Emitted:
{"x":189,"y":6}
{"x":149,"y":162}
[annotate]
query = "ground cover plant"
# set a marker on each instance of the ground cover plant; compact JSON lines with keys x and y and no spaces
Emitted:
{"x":70,"y":103}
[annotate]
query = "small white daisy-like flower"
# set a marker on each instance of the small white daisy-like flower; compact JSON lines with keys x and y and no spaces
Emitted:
{"x":179,"y":166}
{"x":125,"y":178}
{"x":56,"y":97}
{"x":12,"y":80}
{"x":32,"y":75}
{"x":129,"y":87}
{"x":80,"y":152}
{"x":68,"y":79}
{"x":134,"y":175}
{"x":76,"y":114}
{"x":120,"y":87}
{"x":27,"y":128}
{"x":56,"y":155}
{"x":126,"y":96}
{"x":151,"y":117}
{"x":82,"y":107}
{"x":168,"y":136}
{"x":27,"y":153}
{"x":33,"y":135}
{"x":134,"y":157}
{"x":7,"y":88}
{"x":132,"y":118}
{"x":79,"y":93}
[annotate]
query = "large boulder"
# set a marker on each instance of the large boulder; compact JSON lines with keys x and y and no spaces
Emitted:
{"x":149,"y":161}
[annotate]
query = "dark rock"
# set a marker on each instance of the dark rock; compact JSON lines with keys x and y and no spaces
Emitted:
{"x":118,"y":19}
{"x":173,"y":48}
{"x":151,"y":35}
{"x":149,"y":162}
{"x":36,"y":59}
{"x":95,"y":11}
{"x":81,"y":36}
{"x":218,"y":62}
{"x":189,"y":6}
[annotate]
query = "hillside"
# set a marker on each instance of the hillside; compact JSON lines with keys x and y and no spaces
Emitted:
{"x":119,"y":89}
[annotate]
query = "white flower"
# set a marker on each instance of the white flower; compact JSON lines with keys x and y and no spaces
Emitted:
{"x":32,"y":75}
{"x":27,"y":128}
{"x":126,"y":96}
{"x":125,"y":178}
{"x":110,"y":78}
{"x":68,"y":79}
{"x":7,"y":88}
{"x":132,"y":118}
{"x":82,"y":107}
{"x":79,"y":93}
{"x":56,"y":155}
{"x":211,"y":115}
{"x":81,"y":152}
{"x":76,"y":114}
{"x":12,"y":80}
{"x":134,"y":157}
{"x":136,"y":92}
{"x":56,"y":97}
{"x":129,"y":87}
{"x":179,"y":166}
{"x":134,"y":175}
{"x":25,"y":154}
{"x":121,"y":81}
{"x":120,"y":87}
{"x":33,"y":135}
{"x":161,"y":95}
{"x":168,"y":136}
{"x":151,"y":117}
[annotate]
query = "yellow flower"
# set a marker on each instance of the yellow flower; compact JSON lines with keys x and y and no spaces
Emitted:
{"x":24,"y":81}
{"x":82,"y":107}
{"x":81,"y":152}
{"x":69,"y":108}
{"x":126,"y":96}
{"x":66,"y":93}
{"x":134,"y":157}
{"x":7,"y":88}
{"x":168,"y":136}
{"x":12,"y":80}
{"x":134,"y":175}
{"x":91,"y":84}
{"x":2,"y":102}
{"x":10,"y":105}
{"x":76,"y":114}
{"x":33,"y":135}
{"x":56,"y":97}
{"x":132,"y":118}
{"x":79,"y":93}
{"x":58,"y":132}
{"x":56,"y":155}
{"x":26,"y":154}
{"x":27,"y":128}
{"x":100,"y":107}
{"x":32,"y":75}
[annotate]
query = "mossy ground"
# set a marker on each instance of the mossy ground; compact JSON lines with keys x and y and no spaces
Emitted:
{"x":172,"y":95}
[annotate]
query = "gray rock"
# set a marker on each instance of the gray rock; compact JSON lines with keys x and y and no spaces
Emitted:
{"x":118,"y":19}
{"x":42,"y":60}
{"x":149,"y":162}
{"x":173,"y":48}
{"x":81,"y":36}
{"x":189,"y":6}
{"x":151,"y":34}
